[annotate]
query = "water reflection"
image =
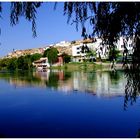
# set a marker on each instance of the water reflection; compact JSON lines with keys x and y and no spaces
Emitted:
{"x":79,"y":114}
{"x":132,"y":87}
{"x":100,"y":83}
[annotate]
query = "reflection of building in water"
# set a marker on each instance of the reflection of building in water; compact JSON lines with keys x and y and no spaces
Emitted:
{"x":99,"y":83}
{"x":81,"y":82}
{"x":20,"y":82}
{"x":108,"y":86}
{"x":42,"y":75}
{"x":55,"y":78}
{"x":46,"y":75}
{"x":65,"y":86}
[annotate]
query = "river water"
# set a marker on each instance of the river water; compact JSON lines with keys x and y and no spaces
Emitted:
{"x":57,"y":104}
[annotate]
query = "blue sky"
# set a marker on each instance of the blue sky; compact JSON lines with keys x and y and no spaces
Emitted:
{"x":52,"y":27}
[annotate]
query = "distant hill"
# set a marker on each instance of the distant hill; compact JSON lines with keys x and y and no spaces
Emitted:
{"x":62,"y":47}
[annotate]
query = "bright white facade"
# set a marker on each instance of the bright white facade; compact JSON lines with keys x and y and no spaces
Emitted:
{"x":128,"y":42}
{"x":41,"y":64}
{"x":77,"y":53}
{"x":95,"y":46}
{"x":63,"y":43}
{"x":101,"y":51}
{"x":76,"y":50}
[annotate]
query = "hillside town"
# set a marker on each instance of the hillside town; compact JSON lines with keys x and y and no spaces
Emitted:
{"x":74,"y":48}
{"x":89,"y":50}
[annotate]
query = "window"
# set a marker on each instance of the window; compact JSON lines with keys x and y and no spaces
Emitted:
{"x":78,"y":48}
{"x":78,"y":52}
{"x":130,"y":45}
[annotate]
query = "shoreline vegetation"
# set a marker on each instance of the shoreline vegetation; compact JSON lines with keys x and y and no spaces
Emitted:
{"x":88,"y":66}
{"x":26,"y":63}
{"x":73,"y":66}
{"x":52,"y":59}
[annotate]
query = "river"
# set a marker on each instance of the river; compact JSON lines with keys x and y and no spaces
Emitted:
{"x":61,"y":104}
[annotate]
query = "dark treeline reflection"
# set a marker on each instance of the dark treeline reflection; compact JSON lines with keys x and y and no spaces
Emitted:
{"x":99,"y":83}
{"x":132,"y":74}
{"x":132,"y":87}
{"x":115,"y":76}
{"x":55,"y":77}
{"x":20,"y":78}
{"x":38,"y":79}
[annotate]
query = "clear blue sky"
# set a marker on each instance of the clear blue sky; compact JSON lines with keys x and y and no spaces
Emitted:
{"x":52,"y":27}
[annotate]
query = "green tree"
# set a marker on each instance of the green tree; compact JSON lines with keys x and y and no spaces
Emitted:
{"x":66,"y":58}
{"x":20,"y":61}
{"x":12,"y":64}
{"x":108,"y":20}
{"x":27,"y":63}
{"x":35,"y":57}
{"x":23,"y":62}
{"x":51,"y":54}
{"x":4,"y":63}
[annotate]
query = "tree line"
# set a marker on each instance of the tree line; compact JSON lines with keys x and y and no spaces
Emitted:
{"x":25,"y":62}
{"x":20,"y":63}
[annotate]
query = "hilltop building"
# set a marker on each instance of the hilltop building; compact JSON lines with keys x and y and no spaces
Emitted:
{"x":63,"y":43}
{"x":18,"y":53}
{"x":76,"y":51}
{"x":101,"y":50}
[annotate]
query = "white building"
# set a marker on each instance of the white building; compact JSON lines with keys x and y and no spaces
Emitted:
{"x":128,"y":42}
{"x":41,"y":64}
{"x":63,"y":43}
{"x":100,"y":49}
{"x":77,"y":53}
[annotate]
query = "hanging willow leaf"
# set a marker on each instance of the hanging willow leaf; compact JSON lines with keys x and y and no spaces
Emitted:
{"x":27,"y":10}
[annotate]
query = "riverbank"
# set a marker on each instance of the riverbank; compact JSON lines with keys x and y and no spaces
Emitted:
{"x":88,"y":66}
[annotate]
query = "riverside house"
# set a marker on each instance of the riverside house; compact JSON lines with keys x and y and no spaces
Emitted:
{"x":42,"y":64}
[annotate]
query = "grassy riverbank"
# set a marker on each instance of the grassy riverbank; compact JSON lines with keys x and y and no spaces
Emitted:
{"x":87,"y":66}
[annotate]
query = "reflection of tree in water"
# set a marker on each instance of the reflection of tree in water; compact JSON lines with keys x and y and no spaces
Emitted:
{"x":132,"y":88}
{"x":55,"y":77}
{"x":53,"y":80}
{"x":67,"y":75}
{"x":132,"y":73}
{"x":20,"y":77}
{"x":91,"y":77}
{"x":27,"y":76}
{"x":114,"y":76}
